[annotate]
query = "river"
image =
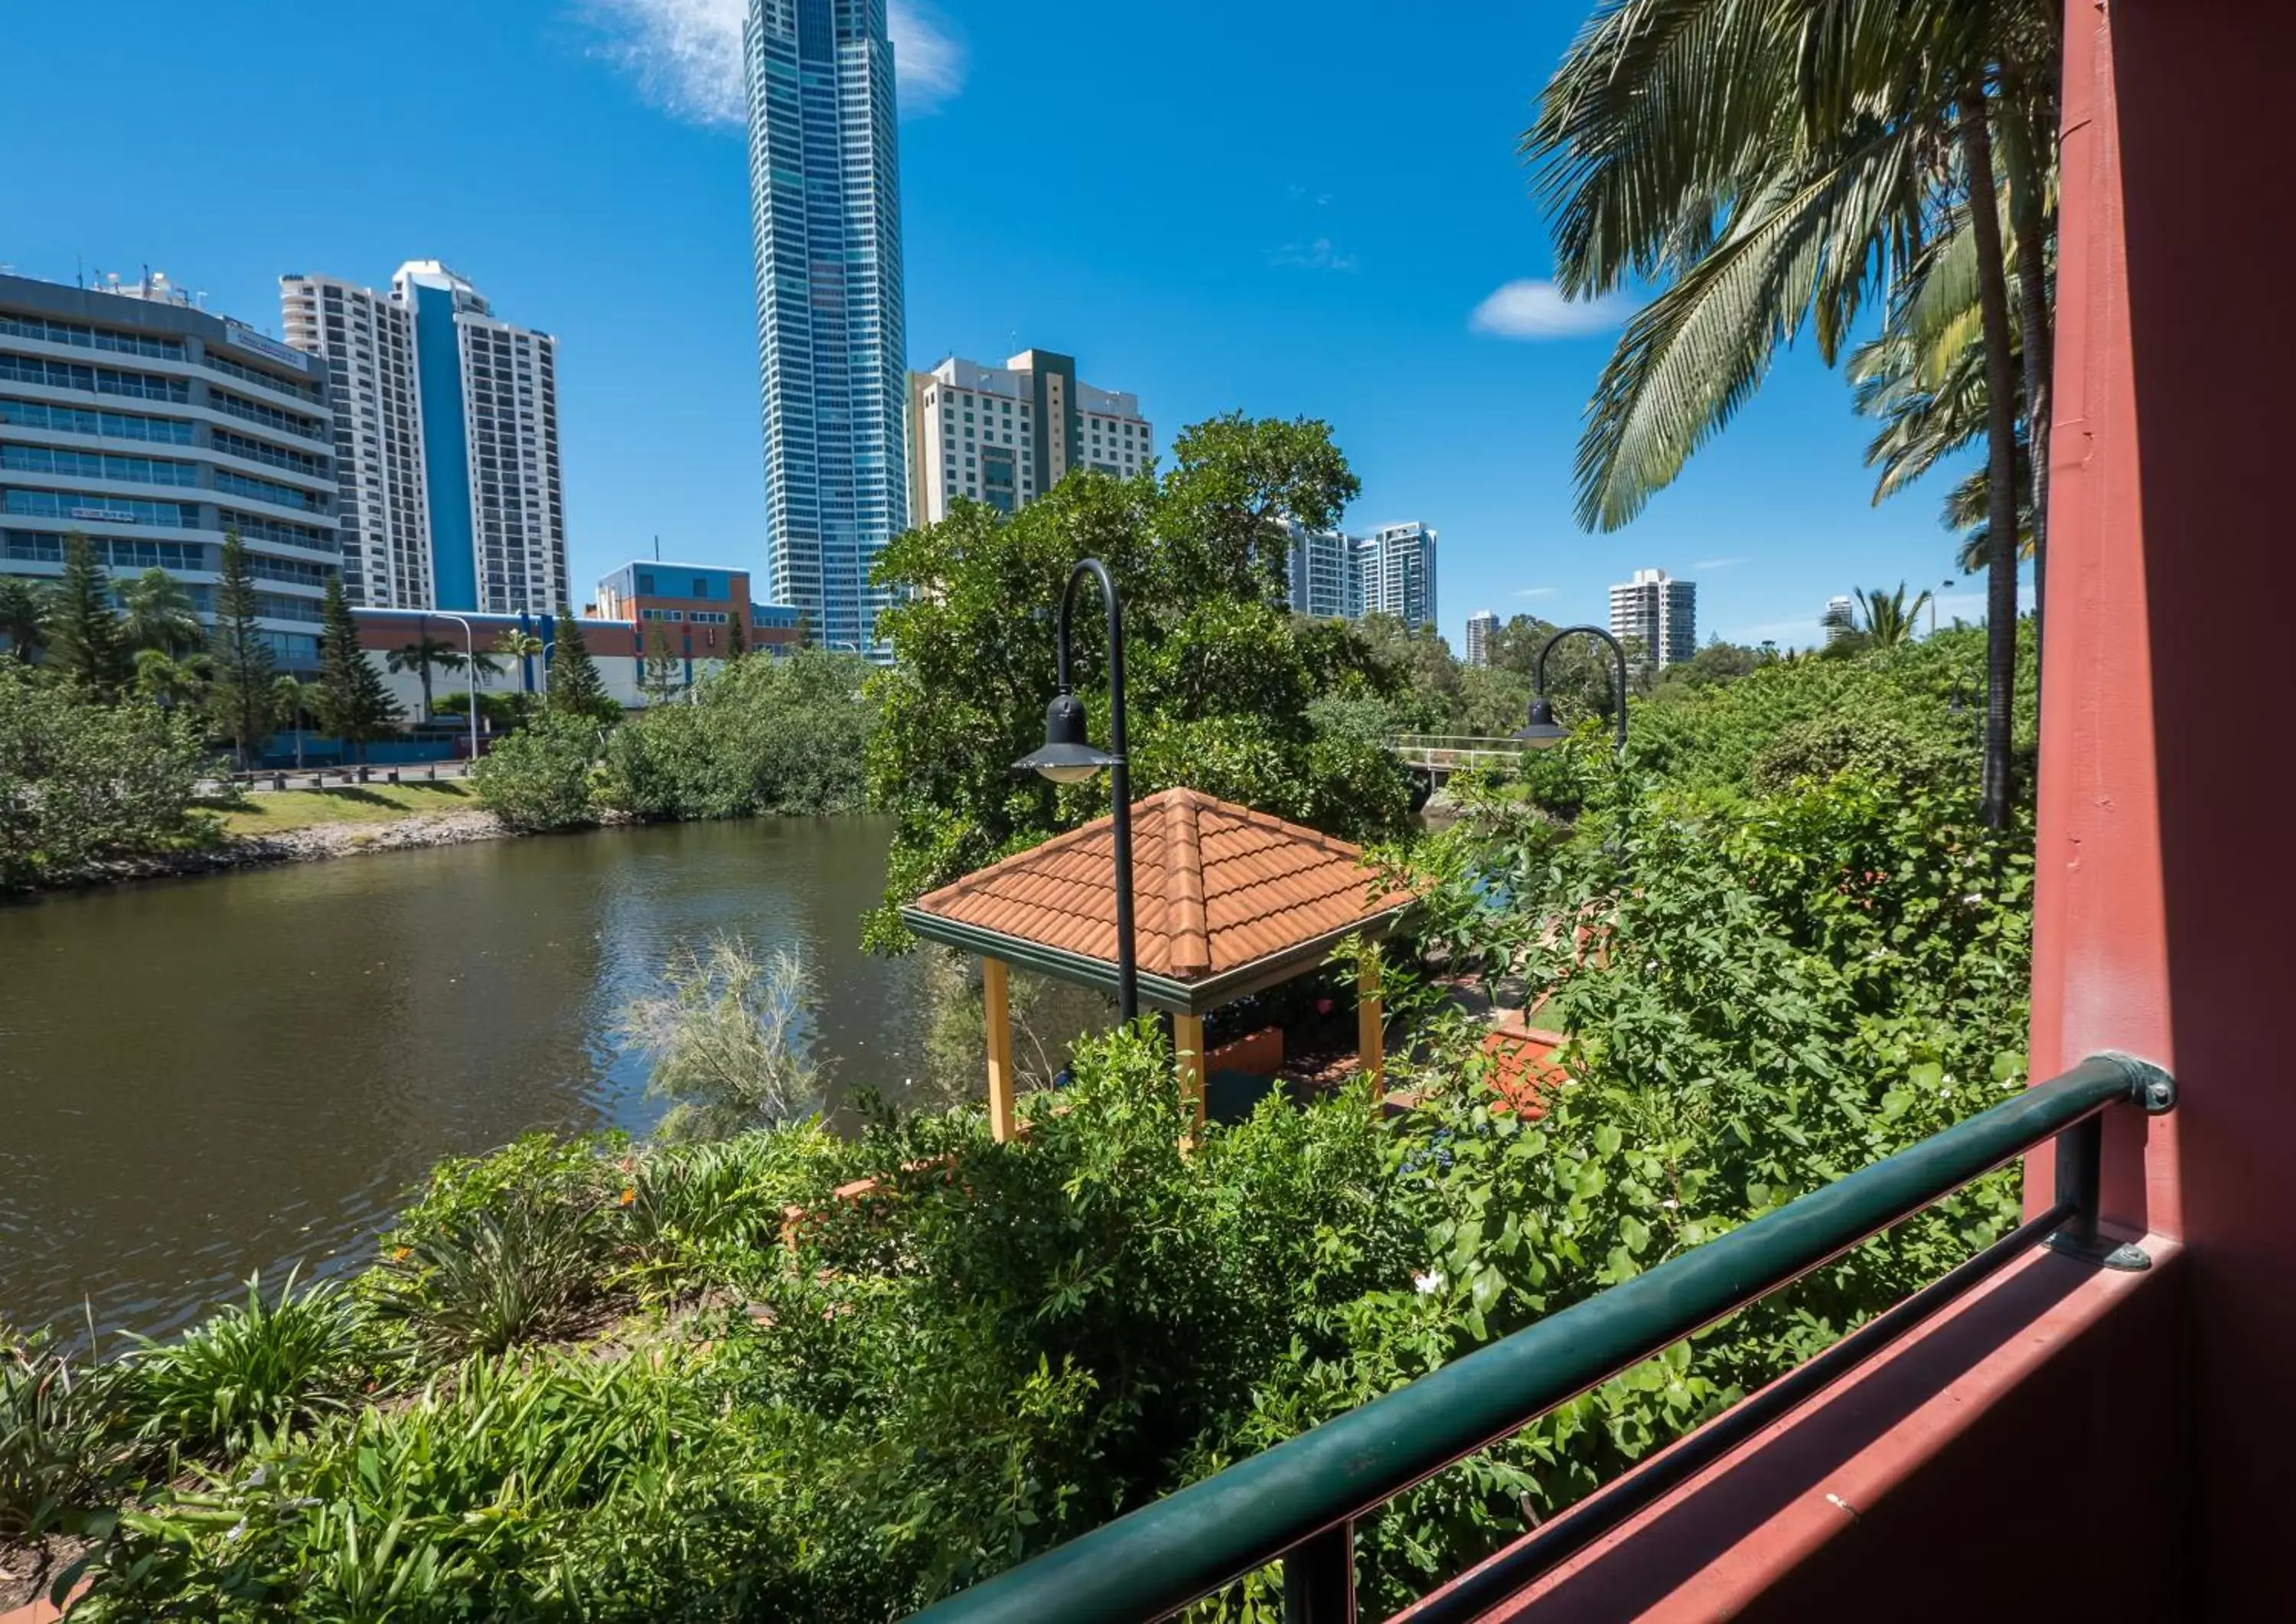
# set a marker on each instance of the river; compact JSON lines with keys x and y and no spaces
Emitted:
{"x":202,"y":1078}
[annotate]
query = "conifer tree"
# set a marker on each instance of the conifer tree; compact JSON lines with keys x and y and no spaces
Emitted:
{"x":737,"y":639}
{"x":659,"y":676}
{"x":83,"y":637}
{"x":242,"y":701}
{"x":353,"y":704}
{"x":576,"y":688}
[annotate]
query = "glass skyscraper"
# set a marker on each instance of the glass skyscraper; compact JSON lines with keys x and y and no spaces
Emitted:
{"x":825,"y":221}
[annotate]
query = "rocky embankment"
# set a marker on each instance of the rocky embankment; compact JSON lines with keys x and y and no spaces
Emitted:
{"x":459,"y":827}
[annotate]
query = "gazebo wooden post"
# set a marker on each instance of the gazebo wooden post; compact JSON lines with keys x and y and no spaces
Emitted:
{"x":996,"y":1017}
{"x":1188,"y":1043}
{"x":1371,"y":1024}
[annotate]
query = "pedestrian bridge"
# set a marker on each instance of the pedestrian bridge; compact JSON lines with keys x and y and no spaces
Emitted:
{"x":1431,"y":758}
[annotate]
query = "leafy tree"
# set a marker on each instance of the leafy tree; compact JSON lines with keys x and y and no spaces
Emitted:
{"x":576,"y":688}
{"x":1221,"y":679}
{"x":173,"y":680}
{"x":158,"y":613}
{"x":85,"y":783}
{"x":22,"y":617}
{"x":761,"y":736}
{"x":352,"y":702}
{"x":538,"y":778}
{"x":1776,"y":166}
{"x":241,"y":700}
{"x":81,"y":628}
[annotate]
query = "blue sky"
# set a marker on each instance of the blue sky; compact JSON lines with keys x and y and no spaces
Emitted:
{"x":1277,"y":207}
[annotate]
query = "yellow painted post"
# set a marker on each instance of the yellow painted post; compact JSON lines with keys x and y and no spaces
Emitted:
{"x":1371,"y":1027}
{"x":1188,"y":1041}
{"x":996,"y":1015}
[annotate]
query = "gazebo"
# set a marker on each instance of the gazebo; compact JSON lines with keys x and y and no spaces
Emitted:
{"x":1227,"y":901}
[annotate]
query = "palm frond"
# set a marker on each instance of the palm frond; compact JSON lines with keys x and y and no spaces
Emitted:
{"x":1691,"y":358}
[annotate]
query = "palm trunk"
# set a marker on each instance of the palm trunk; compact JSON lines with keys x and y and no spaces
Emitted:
{"x":2001,"y":462}
{"x":2037,"y":316}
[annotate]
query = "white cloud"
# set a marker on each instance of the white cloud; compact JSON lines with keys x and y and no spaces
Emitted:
{"x":1720,"y":563}
{"x":687,"y":54}
{"x":1535,"y":309}
{"x":1321,"y":255}
{"x":1535,"y":592}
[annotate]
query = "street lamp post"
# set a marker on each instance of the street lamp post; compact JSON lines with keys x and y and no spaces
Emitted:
{"x":1069,"y":758}
{"x":470,"y":674}
{"x":1543,"y":730}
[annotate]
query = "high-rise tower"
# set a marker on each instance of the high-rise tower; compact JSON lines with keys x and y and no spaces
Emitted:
{"x":445,"y":423}
{"x":826,"y":225}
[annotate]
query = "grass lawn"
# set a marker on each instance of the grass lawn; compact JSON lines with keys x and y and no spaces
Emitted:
{"x":276,"y":811}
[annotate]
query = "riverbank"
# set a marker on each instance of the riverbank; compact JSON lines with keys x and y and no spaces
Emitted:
{"x":309,"y":826}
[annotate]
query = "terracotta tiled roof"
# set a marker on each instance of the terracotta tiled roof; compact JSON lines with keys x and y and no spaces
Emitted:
{"x":1213,"y":886}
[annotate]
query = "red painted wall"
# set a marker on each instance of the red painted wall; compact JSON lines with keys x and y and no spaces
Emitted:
{"x":2165,"y":898}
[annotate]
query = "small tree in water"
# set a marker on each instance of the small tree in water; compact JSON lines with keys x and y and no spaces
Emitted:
{"x":726,"y":1041}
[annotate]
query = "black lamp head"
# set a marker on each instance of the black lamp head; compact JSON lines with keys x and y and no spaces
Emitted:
{"x":1067,"y":757}
{"x":1543,"y":729}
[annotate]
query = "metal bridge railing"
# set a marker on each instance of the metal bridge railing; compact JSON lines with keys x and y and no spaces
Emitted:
{"x":1298,"y":1501}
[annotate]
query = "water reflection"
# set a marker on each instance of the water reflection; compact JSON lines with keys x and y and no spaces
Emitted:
{"x":201,"y":1078}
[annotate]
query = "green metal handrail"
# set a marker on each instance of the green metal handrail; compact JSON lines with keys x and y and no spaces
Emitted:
{"x":1303,"y":1496}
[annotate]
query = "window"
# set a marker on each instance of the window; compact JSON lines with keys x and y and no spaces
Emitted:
{"x":77,"y":419}
{"x":701,"y":586}
{"x":645,"y":582}
{"x":105,"y":509}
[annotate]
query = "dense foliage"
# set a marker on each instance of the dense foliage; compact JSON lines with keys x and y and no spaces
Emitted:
{"x":693,"y":1378}
{"x":1225,"y":688}
{"x":84,"y":782}
{"x":759,"y":735}
{"x":539,"y":778}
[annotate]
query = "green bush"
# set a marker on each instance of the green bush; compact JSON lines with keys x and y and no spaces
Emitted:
{"x":65,"y":1449}
{"x":520,"y":1269}
{"x":538,"y":778}
{"x":760,"y":735}
{"x":246,"y":1371}
{"x":84,"y":782}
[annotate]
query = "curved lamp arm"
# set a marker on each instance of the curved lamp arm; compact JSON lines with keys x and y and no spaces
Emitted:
{"x":1618,"y":667}
{"x":1119,"y":778}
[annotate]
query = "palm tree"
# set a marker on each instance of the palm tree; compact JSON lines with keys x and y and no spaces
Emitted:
{"x":427,"y":652}
{"x":173,"y":680}
{"x":1889,"y":619}
{"x":157,"y":613}
{"x":22,"y":613}
{"x":1776,"y":165}
{"x":296,"y":700}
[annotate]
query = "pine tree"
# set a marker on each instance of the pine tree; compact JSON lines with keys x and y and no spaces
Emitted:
{"x":576,"y":688}
{"x":353,"y":704}
{"x":658,"y":677}
{"x":242,"y":702}
{"x":83,"y":637}
{"x":737,"y":640}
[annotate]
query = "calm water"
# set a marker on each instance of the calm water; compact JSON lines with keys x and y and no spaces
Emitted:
{"x":201,"y":1078}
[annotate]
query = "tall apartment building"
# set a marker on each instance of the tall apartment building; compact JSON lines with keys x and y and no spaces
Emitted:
{"x":446,"y":434}
{"x":1658,"y":611}
{"x":1482,"y":625}
{"x":825,"y":230}
{"x":152,"y":427}
{"x":1396,"y":563}
{"x":1326,"y":571}
{"x":1839,"y":620}
{"x":1005,"y":435}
